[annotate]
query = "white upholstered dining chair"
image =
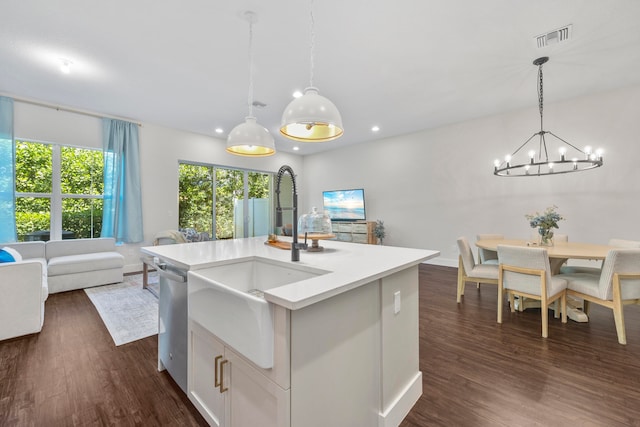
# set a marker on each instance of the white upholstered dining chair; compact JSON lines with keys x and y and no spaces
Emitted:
{"x":469,"y":271}
{"x":525,"y":272}
{"x":487,"y":256}
{"x":627,"y":244}
{"x":619,"y":243}
{"x":617,"y":285}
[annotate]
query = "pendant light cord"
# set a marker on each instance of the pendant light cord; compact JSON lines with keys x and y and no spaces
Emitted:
{"x":312,"y":45}
{"x":540,"y":96}
{"x":250,"y":99}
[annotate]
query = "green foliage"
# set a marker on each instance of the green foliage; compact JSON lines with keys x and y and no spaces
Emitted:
{"x":81,"y":171}
{"x":379,"y":230}
{"x":33,"y":167}
{"x":196,"y":197}
{"x":229,"y":187}
{"x":79,"y":214}
{"x":28,"y":221}
{"x":81,"y":174}
{"x":259,"y":185}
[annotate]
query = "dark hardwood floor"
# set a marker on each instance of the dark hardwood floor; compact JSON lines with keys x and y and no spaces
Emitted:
{"x":479,"y":373}
{"x":475,"y":372}
{"x":72,"y":374}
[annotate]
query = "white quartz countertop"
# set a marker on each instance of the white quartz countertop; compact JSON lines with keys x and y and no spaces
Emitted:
{"x":349,"y":264}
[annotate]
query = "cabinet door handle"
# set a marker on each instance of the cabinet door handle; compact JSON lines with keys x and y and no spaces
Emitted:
{"x":217,"y":380}
{"x":222,"y":387}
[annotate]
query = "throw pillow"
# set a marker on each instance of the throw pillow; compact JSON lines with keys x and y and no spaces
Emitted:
{"x":8,"y":254}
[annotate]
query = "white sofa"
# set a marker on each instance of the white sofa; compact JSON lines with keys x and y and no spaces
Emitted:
{"x":54,"y":266}
{"x":23,"y":286}
{"x":82,"y":263}
{"x":75,"y":264}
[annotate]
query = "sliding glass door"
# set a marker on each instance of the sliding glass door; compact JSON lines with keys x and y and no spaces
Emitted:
{"x":233,"y":202}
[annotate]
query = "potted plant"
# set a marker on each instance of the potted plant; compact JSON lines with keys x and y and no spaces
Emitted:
{"x":379,"y":231}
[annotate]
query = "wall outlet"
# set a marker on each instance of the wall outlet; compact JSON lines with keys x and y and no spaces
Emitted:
{"x":396,"y":302}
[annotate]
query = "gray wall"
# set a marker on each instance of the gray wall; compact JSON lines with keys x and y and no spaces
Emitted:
{"x":433,"y":186}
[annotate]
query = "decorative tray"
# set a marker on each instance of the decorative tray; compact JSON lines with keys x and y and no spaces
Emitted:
{"x":278,"y":244}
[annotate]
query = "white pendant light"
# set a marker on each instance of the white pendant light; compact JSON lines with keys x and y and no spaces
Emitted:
{"x":249,"y":138}
{"x":311,"y":117}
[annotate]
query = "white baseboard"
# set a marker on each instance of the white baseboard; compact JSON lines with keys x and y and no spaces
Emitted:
{"x":398,"y":409}
{"x":132,"y":268}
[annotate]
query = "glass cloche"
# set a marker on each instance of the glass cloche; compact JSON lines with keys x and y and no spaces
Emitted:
{"x":314,"y":223}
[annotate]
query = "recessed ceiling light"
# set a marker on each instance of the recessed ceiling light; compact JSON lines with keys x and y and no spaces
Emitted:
{"x":297,"y":94}
{"x":65,"y":65}
{"x":219,"y":130}
{"x":375,"y":128}
{"x":296,"y":148}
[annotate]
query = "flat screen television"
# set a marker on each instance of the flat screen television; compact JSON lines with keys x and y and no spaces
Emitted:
{"x":344,"y":205}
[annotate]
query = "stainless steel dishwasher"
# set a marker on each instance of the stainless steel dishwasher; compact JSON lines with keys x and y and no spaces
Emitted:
{"x":172,"y":326}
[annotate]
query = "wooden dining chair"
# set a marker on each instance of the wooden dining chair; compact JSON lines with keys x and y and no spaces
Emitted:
{"x":617,"y":285}
{"x":469,"y":271}
{"x":525,"y":272}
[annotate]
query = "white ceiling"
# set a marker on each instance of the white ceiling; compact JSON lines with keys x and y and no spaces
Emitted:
{"x":404,"y":65}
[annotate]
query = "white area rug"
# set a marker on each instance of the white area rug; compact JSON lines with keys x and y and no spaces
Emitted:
{"x":129,"y":312}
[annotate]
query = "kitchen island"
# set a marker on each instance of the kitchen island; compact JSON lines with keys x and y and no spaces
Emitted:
{"x":342,"y":341}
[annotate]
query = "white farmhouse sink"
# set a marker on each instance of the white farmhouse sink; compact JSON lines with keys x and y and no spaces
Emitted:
{"x":227,"y":300}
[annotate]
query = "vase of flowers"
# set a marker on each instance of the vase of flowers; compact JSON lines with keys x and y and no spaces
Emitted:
{"x":544,"y":223}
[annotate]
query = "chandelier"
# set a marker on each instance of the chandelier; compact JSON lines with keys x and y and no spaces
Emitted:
{"x":570,"y":158}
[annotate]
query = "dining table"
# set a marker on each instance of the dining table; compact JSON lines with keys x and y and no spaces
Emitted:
{"x":558,"y":253}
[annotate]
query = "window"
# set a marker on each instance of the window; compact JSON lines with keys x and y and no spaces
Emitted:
{"x":233,"y":192}
{"x":58,"y":191}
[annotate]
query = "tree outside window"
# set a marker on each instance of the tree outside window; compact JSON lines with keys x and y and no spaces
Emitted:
{"x":59,"y":189}
{"x":203,"y":188}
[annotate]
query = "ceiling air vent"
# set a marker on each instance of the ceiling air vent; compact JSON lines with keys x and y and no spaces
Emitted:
{"x":553,"y":37}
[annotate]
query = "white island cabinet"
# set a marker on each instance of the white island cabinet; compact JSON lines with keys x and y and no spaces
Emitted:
{"x":345,"y":342}
{"x":228,"y":390}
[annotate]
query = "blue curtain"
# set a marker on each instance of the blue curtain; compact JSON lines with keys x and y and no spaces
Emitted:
{"x":122,"y":210}
{"x":7,"y":172}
